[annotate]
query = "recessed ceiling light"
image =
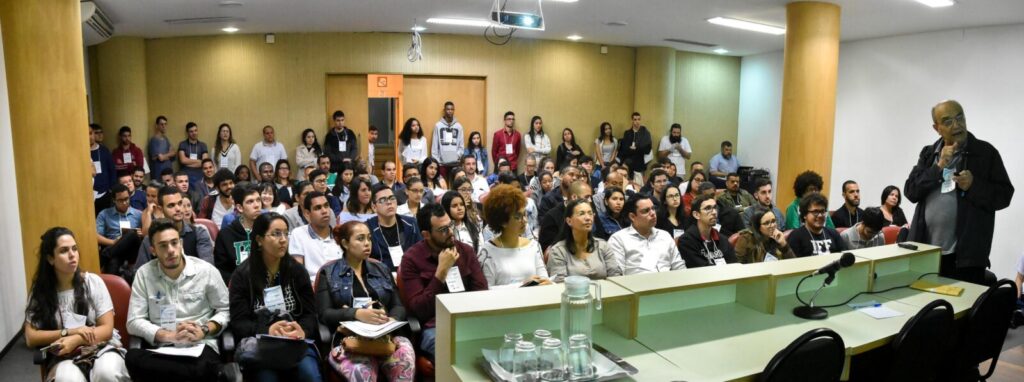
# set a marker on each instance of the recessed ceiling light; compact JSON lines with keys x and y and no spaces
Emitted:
{"x":462,"y":22}
{"x":721,"y":50}
{"x":230,"y":29}
{"x":937,"y":3}
{"x":418,"y":28}
{"x":564,"y":1}
{"x":574,"y":37}
{"x":747,"y":25}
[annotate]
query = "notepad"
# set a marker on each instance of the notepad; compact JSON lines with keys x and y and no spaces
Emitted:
{"x":930,"y":286}
{"x":880,"y":312}
{"x":371,"y":330}
{"x":193,"y":351}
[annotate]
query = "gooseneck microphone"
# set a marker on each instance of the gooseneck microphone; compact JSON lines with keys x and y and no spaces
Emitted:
{"x":808,"y":310}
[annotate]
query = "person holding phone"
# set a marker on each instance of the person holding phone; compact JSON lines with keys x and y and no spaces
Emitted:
{"x":68,"y":309}
{"x":358,"y":288}
{"x":510,"y":260}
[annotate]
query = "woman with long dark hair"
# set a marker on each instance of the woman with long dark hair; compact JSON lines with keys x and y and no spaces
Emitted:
{"x":464,"y":187}
{"x":891,"y":211}
{"x":227,"y":153}
{"x":432,"y":179}
{"x":242,"y":174}
{"x":307,"y":152}
{"x":537,"y":143}
{"x":70,"y":308}
{"x":344,"y":291}
{"x":476,"y":149}
{"x":580,"y":253}
{"x":605,"y":146}
{"x":568,"y":149}
{"x":612,"y":219}
{"x":271,"y":274}
{"x":763,"y":241}
{"x":671,"y":214}
{"x":412,"y":146}
{"x":696,"y":179}
{"x":358,"y":206}
{"x":465,"y":229}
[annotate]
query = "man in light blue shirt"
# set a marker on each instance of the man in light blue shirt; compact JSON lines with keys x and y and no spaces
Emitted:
{"x":723,"y":164}
{"x":118,"y":230}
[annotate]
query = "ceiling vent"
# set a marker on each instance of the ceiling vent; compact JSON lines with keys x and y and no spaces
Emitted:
{"x":96,"y":26}
{"x":204,"y":20}
{"x":688,"y":42}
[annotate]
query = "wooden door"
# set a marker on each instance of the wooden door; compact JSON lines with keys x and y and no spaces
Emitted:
{"x":425,"y":96}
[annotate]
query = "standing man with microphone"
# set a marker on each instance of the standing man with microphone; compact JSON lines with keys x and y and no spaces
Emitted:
{"x":959,"y":183}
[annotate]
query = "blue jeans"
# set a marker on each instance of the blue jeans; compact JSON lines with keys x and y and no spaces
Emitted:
{"x":427,"y":339}
{"x":308,"y":370}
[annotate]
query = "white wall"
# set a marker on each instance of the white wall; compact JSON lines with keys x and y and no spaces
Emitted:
{"x":12,"y":263}
{"x":885,"y":92}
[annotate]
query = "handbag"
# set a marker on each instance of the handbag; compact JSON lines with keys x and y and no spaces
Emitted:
{"x":376,"y":347}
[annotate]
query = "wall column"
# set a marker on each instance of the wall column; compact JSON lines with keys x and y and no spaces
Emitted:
{"x":42,"y":42}
{"x":810,"y":68}
{"x":654,"y":95}
{"x":119,"y":93}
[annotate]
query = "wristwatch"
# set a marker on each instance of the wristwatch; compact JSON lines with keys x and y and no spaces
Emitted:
{"x":206,"y":330}
{"x":64,"y":332}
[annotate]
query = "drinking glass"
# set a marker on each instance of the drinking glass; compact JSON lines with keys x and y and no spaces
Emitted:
{"x":524,"y":365}
{"x":580,"y":359}
{"x":539,"y":336}
{"x":507,"y":351}
{"x":551,"y":366}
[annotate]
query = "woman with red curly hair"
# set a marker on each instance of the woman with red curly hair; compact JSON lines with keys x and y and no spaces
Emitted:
{"x":510,"y":260}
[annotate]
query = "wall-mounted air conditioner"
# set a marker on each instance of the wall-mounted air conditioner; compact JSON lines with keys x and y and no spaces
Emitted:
{"x":96,"y":26}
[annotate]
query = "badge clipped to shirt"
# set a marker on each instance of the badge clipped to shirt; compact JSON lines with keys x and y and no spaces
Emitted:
{"x":98,"y":166}
{"x":947,"y":180}
{"x":361,"y":302}
{"x":508,"y":148}
{"x":342,"y":146}
{"x":769,"y":257}
{"x":396,"y":254}
{"x":166,"y":314}
{"x":454,"y":280}
{"x":126,"y":157}
{"x":273,"y":298}
{"x":241,"y":251}
{"x":193,"y":156}
{"x":479,"y":167}
{"x":676,"y":233}
{"x":719,"y":261}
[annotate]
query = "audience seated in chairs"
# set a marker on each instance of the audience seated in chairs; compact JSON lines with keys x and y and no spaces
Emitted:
{"x":814,"y":237}
{"x":867,"y":232}
{"x":195,"y":241}
{"x":118,"y":231}
{"x":702,"y":245}
{"x":807,"y":183}
{"x":763,"y":241}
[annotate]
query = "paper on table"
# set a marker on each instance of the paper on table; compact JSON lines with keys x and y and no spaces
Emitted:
{"x":880,"y":312}
{"x":186,"y":351}
{"x":370,"y":330}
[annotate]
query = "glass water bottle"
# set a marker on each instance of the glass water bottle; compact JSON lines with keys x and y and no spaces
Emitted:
{"x":577,"y":321}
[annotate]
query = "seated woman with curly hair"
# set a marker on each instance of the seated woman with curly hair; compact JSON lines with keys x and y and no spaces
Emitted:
{"x":509,"y":260}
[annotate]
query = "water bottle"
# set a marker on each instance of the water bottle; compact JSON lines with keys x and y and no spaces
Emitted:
{"x":577,"y":321}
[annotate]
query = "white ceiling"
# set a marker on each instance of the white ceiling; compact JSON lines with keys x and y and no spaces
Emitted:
{"x":649,"y":21}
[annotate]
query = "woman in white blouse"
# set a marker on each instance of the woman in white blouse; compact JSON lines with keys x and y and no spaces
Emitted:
{"x":413,"y":145}
{"x":227,"y":154}
{"x":537,"y":143}
{"x":306,"y":153}
{"x":510,"y":260}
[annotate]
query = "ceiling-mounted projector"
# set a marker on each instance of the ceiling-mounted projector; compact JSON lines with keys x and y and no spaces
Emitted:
{"x":524,"y":19}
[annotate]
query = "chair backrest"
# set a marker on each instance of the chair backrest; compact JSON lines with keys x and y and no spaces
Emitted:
{"x":211,"y":227}
{"x":919,"y":347}
{"x":398,"y":285}
{"x":841,"y":229}
{"x":890,"y":232}
{"x":987,"y":325}
{"x":733,"y":239}
{"x":817,"y":355}
{"x":120,"y":294}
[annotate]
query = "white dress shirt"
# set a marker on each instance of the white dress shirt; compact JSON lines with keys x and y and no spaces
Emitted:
{"x":638,"y":254}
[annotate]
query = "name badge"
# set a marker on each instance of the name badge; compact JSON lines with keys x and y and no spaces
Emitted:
{"x":124,"y":224}
{"x":446,"y":138}
{"x":479,"y":167}
{"x":719,"y":261}
{"x":126,"y":157}
{"x":72,"y":320}
{"x":98,"y":166}
{"x":241,"y":251}
{"x":361,"y":302}
{"x":193,"y":156}
{"x":166,"y":313}
{"x":342,"y":146}
{"x":396,"y":255}
{"x":273,"y":298}
{"x":676,"y":233}
{"x":454,"y":280}
{"x":508,"y":148}
{"x":769,"y":257}
{"x":947,"y":180}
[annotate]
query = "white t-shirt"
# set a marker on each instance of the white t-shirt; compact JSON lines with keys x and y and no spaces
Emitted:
{"x":219,"y":210}
{"x":480,"y":187}
{"x":510,"y":267}
{"x":674,"y":155}
{"x":262,"y":153}
{"x":1020,"y":265}
{"x":316,"y":251}
{"x":416,"y":150}
{"x":99,"y":304}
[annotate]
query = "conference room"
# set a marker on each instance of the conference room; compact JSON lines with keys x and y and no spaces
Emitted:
{"x":766,"y":185}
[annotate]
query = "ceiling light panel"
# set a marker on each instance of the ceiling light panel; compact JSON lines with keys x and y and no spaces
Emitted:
{"x":747,"y":25}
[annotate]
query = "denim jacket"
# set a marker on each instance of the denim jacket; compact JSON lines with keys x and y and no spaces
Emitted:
{"x":335,"y":286}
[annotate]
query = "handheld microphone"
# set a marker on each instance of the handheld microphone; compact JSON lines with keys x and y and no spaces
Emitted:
{"x":844,"y":261}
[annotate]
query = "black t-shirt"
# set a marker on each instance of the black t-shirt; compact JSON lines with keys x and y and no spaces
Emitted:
{"x":391,"y":235}
{"x":359,"y":291}
{"x":804,"y":243}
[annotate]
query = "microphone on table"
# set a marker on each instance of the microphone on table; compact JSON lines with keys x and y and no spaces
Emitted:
{"x":808,"y":310}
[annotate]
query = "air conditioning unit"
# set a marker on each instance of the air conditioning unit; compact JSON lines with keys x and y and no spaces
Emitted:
{"x":96,"y":26}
